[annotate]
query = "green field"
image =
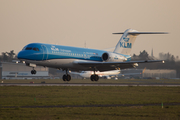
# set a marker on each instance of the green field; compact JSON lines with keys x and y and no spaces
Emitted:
{"x":89,"y":95}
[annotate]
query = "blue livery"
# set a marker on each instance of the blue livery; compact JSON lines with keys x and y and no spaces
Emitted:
{"x":83,"y":59}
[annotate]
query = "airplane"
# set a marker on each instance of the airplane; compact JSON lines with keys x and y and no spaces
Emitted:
{"x":106,"y":74}
{"x":83,"y":59}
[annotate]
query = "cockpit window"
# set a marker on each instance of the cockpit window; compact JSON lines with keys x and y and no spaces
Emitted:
{"x":36,"y":49}
{"x":24,"y":48}
{"x":29,"y":48}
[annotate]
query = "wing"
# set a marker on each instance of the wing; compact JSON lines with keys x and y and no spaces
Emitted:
{"x":105,"y":66}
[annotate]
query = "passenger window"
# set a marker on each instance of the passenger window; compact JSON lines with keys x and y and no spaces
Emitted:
{"x":28,"y":48}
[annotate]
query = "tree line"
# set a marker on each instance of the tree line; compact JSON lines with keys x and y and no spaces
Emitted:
{"x":169,"y":58}
{"x":8,"y":56}
{"x":171,"y":62}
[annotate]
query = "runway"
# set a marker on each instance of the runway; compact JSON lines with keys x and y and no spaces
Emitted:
{"x":100,"y":105}
{"x":90,"y":84}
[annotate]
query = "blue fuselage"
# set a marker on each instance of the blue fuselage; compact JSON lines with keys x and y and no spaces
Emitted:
{"x":39,"y":51}
{"x":58,"y":56}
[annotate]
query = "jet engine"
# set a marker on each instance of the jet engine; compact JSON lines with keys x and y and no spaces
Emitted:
{"x":113,"y":57}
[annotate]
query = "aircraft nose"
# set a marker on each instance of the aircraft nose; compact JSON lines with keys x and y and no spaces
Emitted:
{"x":20,"y":55}
{"x":23,"y":55}
{"x":29,"y":55}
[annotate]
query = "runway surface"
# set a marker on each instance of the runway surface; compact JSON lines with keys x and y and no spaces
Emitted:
{"x":100,"y":105}
{"x":90,"y":84}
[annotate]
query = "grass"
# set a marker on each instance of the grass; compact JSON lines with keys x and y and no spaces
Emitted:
{"x":88,"y":95}
{"x":24,"y":96}
{"x":99,"y":113}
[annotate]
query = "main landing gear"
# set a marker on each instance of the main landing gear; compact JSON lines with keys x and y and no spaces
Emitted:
{"x":94,"y":77}
{"x":66,"y":77}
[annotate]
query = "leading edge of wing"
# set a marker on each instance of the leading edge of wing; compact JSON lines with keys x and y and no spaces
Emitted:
{"x":92,"y":63}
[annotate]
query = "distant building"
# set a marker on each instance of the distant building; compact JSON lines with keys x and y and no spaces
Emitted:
{"x":147,"y":73}
{"x":131,"y":73}
{"x":21,"y":71}
{"x":160,"y":73}
{"x":152,"y":53}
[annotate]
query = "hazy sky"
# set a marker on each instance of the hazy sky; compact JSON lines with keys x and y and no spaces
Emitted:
{"x":74,"y":22}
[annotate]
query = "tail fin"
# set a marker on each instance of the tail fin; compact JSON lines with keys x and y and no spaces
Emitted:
{"x":127,"y":40}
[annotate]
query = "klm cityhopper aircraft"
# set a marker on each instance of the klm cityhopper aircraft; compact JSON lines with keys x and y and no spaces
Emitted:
{"x":83,"y":59}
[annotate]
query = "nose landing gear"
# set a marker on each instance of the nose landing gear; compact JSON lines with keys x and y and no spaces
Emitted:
{"x":33,"y":71}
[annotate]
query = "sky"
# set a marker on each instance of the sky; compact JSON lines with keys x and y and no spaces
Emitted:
{"x":76,"y":22}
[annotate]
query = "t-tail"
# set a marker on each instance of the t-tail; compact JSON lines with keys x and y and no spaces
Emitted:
{"x":127,"y":40}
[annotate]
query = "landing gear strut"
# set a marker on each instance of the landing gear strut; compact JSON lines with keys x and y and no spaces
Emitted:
{"x":94,"y":77}
{"x":33,"y":71}
{"x":66,"y":77}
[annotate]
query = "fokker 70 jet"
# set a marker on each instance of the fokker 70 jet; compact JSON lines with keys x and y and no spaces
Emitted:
{"x":83,"y":59}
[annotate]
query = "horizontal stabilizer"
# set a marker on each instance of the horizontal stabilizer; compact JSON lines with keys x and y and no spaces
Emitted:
{"x":134,"y":33}
{"x":126,"y":42}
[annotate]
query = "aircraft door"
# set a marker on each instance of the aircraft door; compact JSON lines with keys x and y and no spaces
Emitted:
{"x":45,"y":52}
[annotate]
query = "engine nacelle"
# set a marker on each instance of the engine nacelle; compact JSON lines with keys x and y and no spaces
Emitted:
{"x":113,"y":57}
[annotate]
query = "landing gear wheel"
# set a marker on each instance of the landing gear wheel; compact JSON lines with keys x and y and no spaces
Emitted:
{"x":96,"y":77}
{"x":66,"y":77}
{"x":92,"y":78}
{"x":33,"y":71}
